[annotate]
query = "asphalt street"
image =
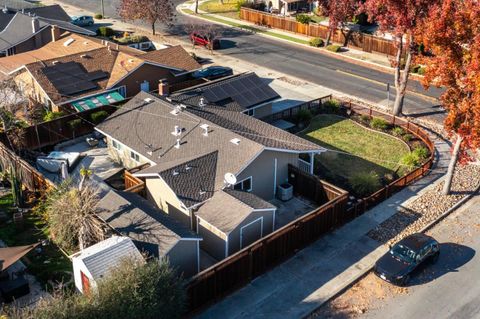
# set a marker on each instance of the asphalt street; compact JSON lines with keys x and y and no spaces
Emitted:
{"x":448,"y":289}
{"x":300,"y":62}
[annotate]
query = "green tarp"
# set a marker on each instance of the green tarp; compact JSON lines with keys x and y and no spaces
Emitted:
{"x":97,"y":101}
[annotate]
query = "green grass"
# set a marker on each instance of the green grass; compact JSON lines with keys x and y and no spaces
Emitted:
{"x":50,"y":264}
{"x":317,"y":19}
{"x":372,"y":151}
{"x":227,"y":9}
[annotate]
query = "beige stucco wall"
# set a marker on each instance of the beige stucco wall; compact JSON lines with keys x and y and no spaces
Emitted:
{"x":184,"y":257}
{"x":32,"y":89}
{"x":213,"y":240}
{"x":234,"y":236}
{"x":122,"y":156}
{"x":262,"y":172}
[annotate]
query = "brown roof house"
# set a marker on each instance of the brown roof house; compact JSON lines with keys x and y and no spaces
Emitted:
{"x":198,"y":156}
{"x":99,"y":75}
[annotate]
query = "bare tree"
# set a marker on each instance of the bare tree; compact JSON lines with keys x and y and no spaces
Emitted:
{"x":151,"y":11}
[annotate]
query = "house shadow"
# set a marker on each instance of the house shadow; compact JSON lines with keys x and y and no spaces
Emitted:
{"x":452,"y":257}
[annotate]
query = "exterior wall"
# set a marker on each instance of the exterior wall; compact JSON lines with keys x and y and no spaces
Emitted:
{"x":79,"y":266}
{"x":234,"y":236}
{"x":122,"y":156}
{"x":263,"y":111}
{"x":161,"y":194}
{"x":184,"y":257}
{"x":213,"y":240}
{"x":147,"y":72}
{"x":262,"y":170}
{"x":35,"y":42}
{"x":32,"y":89}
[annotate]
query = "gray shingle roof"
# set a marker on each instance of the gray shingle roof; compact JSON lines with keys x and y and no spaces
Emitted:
{"x":249,"y":199}
{"x":226,"y":211}
{"x":135,"y":217}
{"x":193,"y":95}
{"x":108,"y":254}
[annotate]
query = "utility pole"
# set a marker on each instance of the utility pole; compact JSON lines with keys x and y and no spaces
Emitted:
{"x":103,"y":9}
{"x":388,"y":94}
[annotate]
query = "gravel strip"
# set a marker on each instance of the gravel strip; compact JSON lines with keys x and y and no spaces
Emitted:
{"x":428,"y":207}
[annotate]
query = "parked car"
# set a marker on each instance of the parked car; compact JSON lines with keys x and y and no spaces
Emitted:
{"x":213,"y":72}
{"x":405,"y":257}
{"x":83,"y":21}
{"x":209,"y":41}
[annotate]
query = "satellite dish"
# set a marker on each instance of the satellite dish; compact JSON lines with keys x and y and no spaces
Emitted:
{"x":230,"y":179}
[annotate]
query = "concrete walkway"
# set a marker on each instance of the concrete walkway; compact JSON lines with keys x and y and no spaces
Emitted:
{"x":317,"y":273}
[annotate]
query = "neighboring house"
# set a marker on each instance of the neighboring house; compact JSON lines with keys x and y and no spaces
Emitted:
{"x":152,"y":231}
{"x":291,"y":6}
{"x":232,"y":220}
{"x":246,"y":93}
{"x":30,"y":29}
{"x":192,"y":149}
{"x":96,"y":262}
{"x":100,"y":76}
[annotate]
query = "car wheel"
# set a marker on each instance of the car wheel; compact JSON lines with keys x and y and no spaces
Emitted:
{"x":90,"y":23}
{"x":405,"y":280}
{"x":435,"y":257}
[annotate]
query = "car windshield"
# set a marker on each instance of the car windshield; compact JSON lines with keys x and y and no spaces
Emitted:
{"x":404,"y":253}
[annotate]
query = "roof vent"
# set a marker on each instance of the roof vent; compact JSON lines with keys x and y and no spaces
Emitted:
{"x":84,"y":56}
{"x":175,"y":172}
{"x":131,"y":60}
{"x":205,"y":129}
{"x":175,"y":111}
{"x":177,"y":144}
{"x":54,"y":62}
{"x":177,"y":131}
{"x":188,"y":167}
{"x":148,"y":100}
{"x":85,"y":43}
{"x":202,"y":102}
{"x":235,"y":141}
{"x":68,"y":42}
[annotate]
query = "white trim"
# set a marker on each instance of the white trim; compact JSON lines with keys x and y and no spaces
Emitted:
{"x":226,"y":246}
{"x":273,"y":223}
{"x":304,"y":162}
{"x":263,"y":210}
{"x":252,"y":222}
{"x":190,"y":239}
{"x":275,"y":177}
{"x":318,"y":151}
{"x":312,"y":161}
{"x":198,"y":256}
{"x":243,"y":180}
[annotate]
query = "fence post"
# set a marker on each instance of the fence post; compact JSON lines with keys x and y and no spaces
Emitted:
{"x":370,"y":113}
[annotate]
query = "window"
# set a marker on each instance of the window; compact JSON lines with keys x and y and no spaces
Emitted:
{"x":245,"y":185}
{"x":123,"y":91}
{"x":134,"y":156}
{"x":251,"y":112}
{"x":116,"y":145}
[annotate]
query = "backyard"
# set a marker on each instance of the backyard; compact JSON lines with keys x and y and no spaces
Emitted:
{"x":353,"y":150}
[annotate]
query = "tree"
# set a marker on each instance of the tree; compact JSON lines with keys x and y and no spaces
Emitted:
{"x":339,"y":13}
{"x":401,"y":18}
{"x":151,"y":11}
{"x":452,"y":35}
{"x":132,"y":290}
{"x":70,"y":212}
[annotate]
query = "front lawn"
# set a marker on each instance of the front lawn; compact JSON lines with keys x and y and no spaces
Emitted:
{"x":227,"y":9}
{"x":353,"y":150}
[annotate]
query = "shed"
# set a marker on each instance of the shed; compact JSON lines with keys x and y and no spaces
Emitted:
{"x":152,"y":230}
{"x":95,"y":262}
{"x":231,"y":220}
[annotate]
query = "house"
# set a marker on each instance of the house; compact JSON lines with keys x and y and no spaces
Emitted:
{"x":288,"y":7}
{"x":30,"y":29}
{"x":191,"y":150}
{"x":96,"y":262}
{"x":246,"y":93}
{"x":151,"y":230}
{"x":99,"y":75}
{"x":231,"y":220}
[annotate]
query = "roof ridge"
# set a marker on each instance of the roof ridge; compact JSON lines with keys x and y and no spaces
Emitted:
{"x":235,"y":198}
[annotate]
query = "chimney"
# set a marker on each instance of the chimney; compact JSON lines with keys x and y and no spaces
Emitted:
{"x":35,"y":25}
{"x":55,"y":33}
{"x":163,"y":87}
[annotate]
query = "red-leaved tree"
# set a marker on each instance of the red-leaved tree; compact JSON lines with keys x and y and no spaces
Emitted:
{"x":400,"y":18}
{"x":452,"y":34}
{"x":151,"y":11}
{"x":339,"y":13}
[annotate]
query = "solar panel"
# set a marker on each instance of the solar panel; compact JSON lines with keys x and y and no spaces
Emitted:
{"x":71,"y":78}
{"x":97,"y":75}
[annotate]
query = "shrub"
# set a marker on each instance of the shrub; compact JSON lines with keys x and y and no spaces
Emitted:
{"x":131,"y":39}
{"x":303,"y":116}
{"x":50,"y":116}
{"x":74,"y":123}
{"x":421,"y":70}
{"x":331,"y":106}
{"x":407,"y":137}
{"x":105,"y":32}
{"x":379,"y":124}
{"x":316,"y":42}
{"x":98,"y":16}
{"x":333,"y":48}
{"x":409,"y":161}
{"x":303,"y":18}
{"x":99,"y":116}
{"x":421,"y":152}
{"x":365,"y":183}
{"x":398,"y":131}
{"x":365,"y":119}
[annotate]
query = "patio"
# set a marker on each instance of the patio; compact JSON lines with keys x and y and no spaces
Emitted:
{"x":290,"y":210}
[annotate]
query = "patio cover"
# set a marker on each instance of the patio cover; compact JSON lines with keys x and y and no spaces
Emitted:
{"x":97,"y":101}
{"x":9,"y":255}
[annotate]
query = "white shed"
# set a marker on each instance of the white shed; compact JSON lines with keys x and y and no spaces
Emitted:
{"x":94,"y":262}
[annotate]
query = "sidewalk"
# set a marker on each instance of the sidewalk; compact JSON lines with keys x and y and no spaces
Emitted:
{"x":319,"y":272}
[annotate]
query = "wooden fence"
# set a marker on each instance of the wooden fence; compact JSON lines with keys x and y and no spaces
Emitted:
{"x":362,"y":41}
{"x":134,"y":184}
{"x":62,"y":129}
{"x":313,"y":106}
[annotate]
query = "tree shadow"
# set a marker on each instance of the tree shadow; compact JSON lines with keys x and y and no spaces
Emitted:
{"x":452,"y":257}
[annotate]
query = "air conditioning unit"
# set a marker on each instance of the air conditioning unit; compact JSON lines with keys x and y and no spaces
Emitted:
{"x":285,"y":192}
